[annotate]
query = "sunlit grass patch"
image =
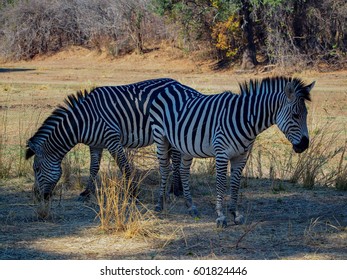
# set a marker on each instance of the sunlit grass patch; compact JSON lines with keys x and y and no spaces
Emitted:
{"x":119,"y":211}
{"x":323,"y":163}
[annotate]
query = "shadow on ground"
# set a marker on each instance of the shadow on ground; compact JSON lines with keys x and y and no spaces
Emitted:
{"x":294,"y":223}
{"x":22,"y":229}
{"x":9,"y":70}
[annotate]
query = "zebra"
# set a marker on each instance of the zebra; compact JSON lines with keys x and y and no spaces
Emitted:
{"x":225,"y":126}
{"x":109,"y":117}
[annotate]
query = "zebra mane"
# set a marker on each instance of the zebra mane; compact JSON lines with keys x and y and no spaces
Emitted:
{"x":72,"y":101}
{"x":253,"y":86}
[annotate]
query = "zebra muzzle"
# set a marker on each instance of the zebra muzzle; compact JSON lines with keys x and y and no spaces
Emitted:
{"x":302,"y":145}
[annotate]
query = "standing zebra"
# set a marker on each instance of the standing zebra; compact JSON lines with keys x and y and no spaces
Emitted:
{"x":108,"y":117}
{"x":225,"y":126}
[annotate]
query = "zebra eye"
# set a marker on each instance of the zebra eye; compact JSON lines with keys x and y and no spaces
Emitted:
{"x":296,"y":116}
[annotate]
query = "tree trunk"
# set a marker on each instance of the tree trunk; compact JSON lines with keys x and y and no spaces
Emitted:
{"x":138,"y":32}
{"x":299,"y":11}
{"x":249,"y":60}
{"x":139,"y":44}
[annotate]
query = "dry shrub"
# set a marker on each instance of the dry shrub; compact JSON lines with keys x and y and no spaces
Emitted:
{"x":323,"y":163}
{"x":341,"y":174}
{"x":316,"y":232}
{"x":13,"y":144}
{"x":5,"y":162}
{"x":34,"y":27}
{"x":320,"y":164}
{"x":283,"y":53}
{"x":121,"y":212}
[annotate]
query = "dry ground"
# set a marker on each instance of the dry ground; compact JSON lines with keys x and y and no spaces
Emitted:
{"x":283,"y":220}
{"x":290,"y":224}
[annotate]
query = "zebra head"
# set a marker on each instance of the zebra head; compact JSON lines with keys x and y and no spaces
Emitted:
{"x":292,"y":116}
{"x":47,"y":172}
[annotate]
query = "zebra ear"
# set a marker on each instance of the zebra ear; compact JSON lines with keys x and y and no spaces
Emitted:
{"x":289,"y":91}
{"x":310,"y":86}
{"x":29,"y":153}
{"x":31,"y":150}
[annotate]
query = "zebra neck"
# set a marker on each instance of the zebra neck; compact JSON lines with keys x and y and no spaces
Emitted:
{"x":64,"y":135}
{"x":262,"y":111}
{"x":56,"y":148}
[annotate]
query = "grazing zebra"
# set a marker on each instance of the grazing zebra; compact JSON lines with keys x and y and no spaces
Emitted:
{"x":225,"y":126}
{"x":107,"y":117}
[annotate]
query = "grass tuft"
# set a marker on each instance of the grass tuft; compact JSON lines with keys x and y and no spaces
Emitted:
{"x":341,"y":175}
{"x":323,"y":163}
{"x":121,"y":212}
{"x":43,"y":210}
{"x":5,"y":162}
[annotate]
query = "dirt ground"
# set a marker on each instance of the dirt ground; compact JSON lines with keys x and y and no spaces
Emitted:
{"x":283,"y":220}
{"x":293,"y":223}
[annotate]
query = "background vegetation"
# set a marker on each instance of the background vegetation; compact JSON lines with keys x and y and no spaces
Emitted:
{"x":297,"y":33}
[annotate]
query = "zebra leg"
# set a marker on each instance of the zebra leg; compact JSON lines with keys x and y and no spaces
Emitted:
{"x":221,"y":166}
{"x":164,"y":169}
{"x":176,"y":186}
{"x":95,"y":158}
{"x":185,"y":174}
{"x":236,"y":167}
{"x":117,"y":152}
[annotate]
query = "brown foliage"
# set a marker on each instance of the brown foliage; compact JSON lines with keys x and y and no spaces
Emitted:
{"x":35,"y":27}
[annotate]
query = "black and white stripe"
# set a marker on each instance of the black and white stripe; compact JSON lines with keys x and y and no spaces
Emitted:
{"x":106,"y":118}
{"x":225,"y":126}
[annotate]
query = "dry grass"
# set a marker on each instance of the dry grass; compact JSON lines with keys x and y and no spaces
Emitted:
{"x":119,"y":210}
{"x":324,"y":163}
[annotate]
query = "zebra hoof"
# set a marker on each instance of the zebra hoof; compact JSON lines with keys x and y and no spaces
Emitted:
{"x":193,"y":211}
{"x":83,"y":198}
{"x":85,"y":195}
{"x":221,"y":222}
{"x":239,"y":220}
{"x":158,"y":208}
{"x":178,"y":193}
